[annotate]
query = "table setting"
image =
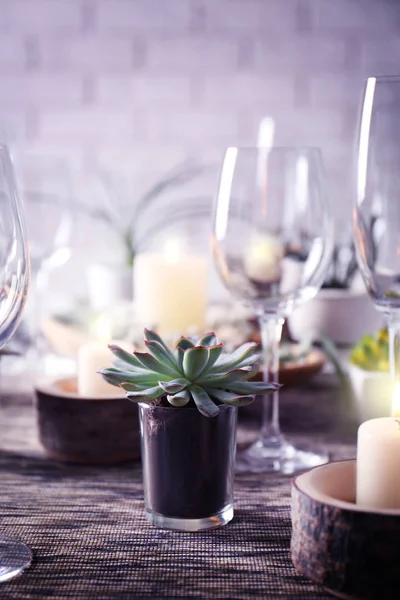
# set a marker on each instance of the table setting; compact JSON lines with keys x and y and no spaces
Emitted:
{"x":216,"y":449}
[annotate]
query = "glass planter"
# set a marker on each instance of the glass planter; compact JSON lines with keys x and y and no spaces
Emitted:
{"x":188,"y":466}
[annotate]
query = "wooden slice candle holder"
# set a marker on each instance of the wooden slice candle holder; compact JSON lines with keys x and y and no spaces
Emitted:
{"x":80,"y":429}
{"x":352,"y":552}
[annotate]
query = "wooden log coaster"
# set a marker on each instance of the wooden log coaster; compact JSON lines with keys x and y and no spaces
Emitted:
{"x":78,"y":429}
{"x":352,"y":552}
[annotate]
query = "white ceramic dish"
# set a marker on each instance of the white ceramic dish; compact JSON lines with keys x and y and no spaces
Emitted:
{"x":344,"y":315}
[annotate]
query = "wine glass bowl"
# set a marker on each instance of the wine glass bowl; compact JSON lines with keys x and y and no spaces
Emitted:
{"x":376,"y":213}
{"x":14,"y":280}
{"x":46,"y":191}
{"x":271,"y":242}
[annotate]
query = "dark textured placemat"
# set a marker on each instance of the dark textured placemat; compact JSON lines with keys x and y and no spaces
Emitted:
{"x":90,"y":539}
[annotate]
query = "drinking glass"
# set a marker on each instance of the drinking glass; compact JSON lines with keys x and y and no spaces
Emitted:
{"x":272,"y":242}
{"x":14,"y":277}
{"x":376,"y":215}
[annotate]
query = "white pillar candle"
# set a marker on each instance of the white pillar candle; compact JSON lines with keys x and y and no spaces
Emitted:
{"x":378,"y":463}
{"x":170,"y":292}
{"x":92,"y":357}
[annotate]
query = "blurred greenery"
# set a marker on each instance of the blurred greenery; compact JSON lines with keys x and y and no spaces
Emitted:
{"x":372,"y":352}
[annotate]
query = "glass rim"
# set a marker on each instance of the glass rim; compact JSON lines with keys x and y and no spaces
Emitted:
{"x":384,"y":78}
{"x":281,"y":148}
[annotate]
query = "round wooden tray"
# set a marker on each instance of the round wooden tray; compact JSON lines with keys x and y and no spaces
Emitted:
{"x":79,"y":429}
{"x":352,"y":552}
{"x":295,"y":373}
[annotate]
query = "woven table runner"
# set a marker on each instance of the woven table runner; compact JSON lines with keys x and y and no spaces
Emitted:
{"x":90,"y":539}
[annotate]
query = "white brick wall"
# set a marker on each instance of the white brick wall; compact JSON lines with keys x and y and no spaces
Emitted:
{"x":153,"y":81}
{"x":44,"y":16}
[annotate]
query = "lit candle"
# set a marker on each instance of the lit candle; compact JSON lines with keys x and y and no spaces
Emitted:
{"x":263,"y":259}
{"x":170,"y":290}
{"x":92,"y":357}
{"x":378,"y":460}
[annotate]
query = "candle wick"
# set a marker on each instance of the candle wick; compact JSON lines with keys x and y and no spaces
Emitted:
{"x":398,"y":421}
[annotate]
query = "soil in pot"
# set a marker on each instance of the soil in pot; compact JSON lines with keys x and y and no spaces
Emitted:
{"x":188,"y":460}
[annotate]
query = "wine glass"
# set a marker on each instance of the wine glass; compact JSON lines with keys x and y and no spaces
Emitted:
{"x":272,"y":242}
{"x":46,"y":191}
{"x":376,"y":215}
{"x":14,"y":278}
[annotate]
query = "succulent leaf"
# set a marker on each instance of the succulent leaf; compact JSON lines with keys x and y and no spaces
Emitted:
{"x":179,"y":399}
{"x":174,"y":386}
{"x":215,"y":353}
{"x":184,"y":343}
{"x":126,"y":357}
{"x":194,"y":361}
{"x":231,"y":398}
{"x":152,"y":364}
{"x":146,"y":395}
{"x":243,"y":356}
{"x":152,"y":336}
{"x":254,"y":387}
{"x":178,"y":355}
{"x":203,"y":401}
{"x":223,"y":380}
{"x":132,"y":387}
{"x":112,"y":380}
{"x":143,"y":377}
{"x":161,"y":354}
{"x":208,"y":339}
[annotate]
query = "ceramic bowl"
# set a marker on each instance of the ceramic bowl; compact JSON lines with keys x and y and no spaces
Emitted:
{"x":344,"y":315}
{"x":79,"y":429}
{"x":352,"y":552}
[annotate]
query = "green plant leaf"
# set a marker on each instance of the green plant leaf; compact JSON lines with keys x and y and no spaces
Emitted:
{"x":112,"y":380}
{"x":180,"y":399}
{"x":203,"y":401}
{"x":152,"y":336}
{"x":147,"y":395}
{"x":149,"y":362}
{"x":245,"y":355}
{"x":184,"y":343}
{"x":221,"y":380}
{"x":133,"y":387}
{"x":208,"y":339}
{"x":230,"y":397}
{"x":195,"y":361}
{"x":179,"y":354}
{"x":215,"y":353}
{"x":174,"y":386}
{"x":254,"y":387}
{"x":117,"y":363}
{"x":145,"y":377}
{"x":161,"y":354}
{"x":126,"y":357}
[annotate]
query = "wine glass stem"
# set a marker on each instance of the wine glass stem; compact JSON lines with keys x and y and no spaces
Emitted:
{"x":394,"y":348}
{"x":271,"y":332}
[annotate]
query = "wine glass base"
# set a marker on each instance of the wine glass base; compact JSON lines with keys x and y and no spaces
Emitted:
{"x":279,"y":458}
{"x":15,"y":556}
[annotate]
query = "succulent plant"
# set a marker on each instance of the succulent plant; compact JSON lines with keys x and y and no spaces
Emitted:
{"x":372,"y":352}
{"x":195,"y":373}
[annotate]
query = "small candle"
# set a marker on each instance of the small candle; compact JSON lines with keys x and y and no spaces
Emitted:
{"x":92,"y":357}
{"x":378,"y":463}
{"x":396,"y":400}
{"x":263,"y":260}
{"x":170,"y":291}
